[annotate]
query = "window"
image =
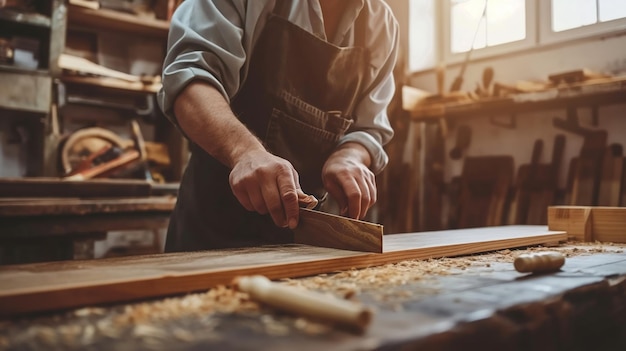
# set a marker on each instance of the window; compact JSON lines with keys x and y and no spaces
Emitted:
{"x":491,"y":27}
{"x":571,"y":19}
{"x":423,"y":49}
{"x":486,"y":23}
{"x":445,"y":30}
{"x":569,"y":14}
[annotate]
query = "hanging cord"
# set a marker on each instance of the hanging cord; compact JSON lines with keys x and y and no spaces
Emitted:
{"x":458,"y":81}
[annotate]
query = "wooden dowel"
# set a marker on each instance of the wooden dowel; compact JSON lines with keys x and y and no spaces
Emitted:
{"x":305,"y":302}
{"x":539,"y":262}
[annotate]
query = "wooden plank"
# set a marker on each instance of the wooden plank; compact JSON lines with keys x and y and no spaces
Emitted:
{"x":328,"y":230}
{"x":586,"y":178}
{"x":589,"y":223}
{"x":34,"y":228}
{"x":485,"y":183}
{"x":56,"y":187}
{"x":108,"y":19}
{"x":611,"y":177}
{"x":10,"y":207}
{"x":79,"y":64}
{"x":59,"y":285}
{"x":113,"y":83}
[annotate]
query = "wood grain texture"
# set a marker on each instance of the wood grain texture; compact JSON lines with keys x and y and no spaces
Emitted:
{"x":608,"y":224}
{"x":67,"y":284}
{"x":590,"y":223}
{"x":328,"y":230}
{"x":575,"y":220}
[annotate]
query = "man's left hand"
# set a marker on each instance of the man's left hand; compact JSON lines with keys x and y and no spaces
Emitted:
{"x":349,"y":181}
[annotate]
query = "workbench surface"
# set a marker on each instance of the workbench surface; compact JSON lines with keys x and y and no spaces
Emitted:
{"x":473,"y":302}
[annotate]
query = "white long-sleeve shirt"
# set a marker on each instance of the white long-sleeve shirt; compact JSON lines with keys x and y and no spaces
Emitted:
{"x":211,"y":40}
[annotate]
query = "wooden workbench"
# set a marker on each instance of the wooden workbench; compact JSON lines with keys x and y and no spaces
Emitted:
{"x":470,"y":302}
{"x":65,"y":228}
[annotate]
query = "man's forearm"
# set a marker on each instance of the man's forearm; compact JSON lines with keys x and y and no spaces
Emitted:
{"x":205,"y":116}
{"x":354,"y":151}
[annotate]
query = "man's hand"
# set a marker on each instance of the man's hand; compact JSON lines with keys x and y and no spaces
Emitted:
{"x":261,"y":181}
{"x":349,"y":181}
{"x":265,"y":183}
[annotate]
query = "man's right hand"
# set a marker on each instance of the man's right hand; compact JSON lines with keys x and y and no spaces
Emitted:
{"x":266,"y":183}
{"x":261,"y":181}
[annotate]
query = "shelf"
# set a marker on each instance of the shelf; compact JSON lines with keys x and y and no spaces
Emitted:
{"x":112,"y":83}
{"x":19,"y":70}
{"x":590,"y":93}
{"x":35,"y":19}
{"x":119,"y":21}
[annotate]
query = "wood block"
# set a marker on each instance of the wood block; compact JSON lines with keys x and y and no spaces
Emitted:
{"x":59,"y":285}
{"x":609,"y":224}
{"x":589,"y":223}
{"x":575,"y":220}
{"x":327,"y":230}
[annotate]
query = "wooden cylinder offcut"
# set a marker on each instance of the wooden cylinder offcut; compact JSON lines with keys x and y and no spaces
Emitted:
{"x":305,"y":302}
{"x":539,"y":262}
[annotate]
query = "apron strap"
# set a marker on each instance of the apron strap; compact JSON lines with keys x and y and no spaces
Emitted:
{"x":282,"y":8}
{"x":360,"y":25}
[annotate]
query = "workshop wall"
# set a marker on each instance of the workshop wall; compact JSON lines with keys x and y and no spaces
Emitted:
{"x":608,"y":57}
{"x":599,"y":54}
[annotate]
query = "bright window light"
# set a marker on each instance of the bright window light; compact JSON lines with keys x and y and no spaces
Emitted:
{"x":570,"y":14}
{"x":504,"y":22}
{"x":612,"y":10}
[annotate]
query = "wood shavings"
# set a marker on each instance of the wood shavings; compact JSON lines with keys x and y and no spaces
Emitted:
{"x":153,"y":324}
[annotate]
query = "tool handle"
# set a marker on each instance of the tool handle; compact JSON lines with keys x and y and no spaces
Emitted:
{"x":304,"y":302}
{"x":539,"y":262}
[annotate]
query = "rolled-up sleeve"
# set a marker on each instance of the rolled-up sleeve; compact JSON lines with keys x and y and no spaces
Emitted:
{"x":372,"y":128}
{"x":205,"y":43}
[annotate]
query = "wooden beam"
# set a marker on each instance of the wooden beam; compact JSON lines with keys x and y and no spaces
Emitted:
{"x":60,"y":285}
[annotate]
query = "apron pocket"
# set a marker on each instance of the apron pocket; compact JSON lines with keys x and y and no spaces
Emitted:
{"x":331,"y":121}
{"x":306,"y":146}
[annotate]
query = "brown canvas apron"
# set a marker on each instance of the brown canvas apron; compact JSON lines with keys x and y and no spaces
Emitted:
{"x":298,"y":98}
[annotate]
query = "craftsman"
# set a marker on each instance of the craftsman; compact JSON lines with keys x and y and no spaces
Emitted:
{"x":279,"y":99}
